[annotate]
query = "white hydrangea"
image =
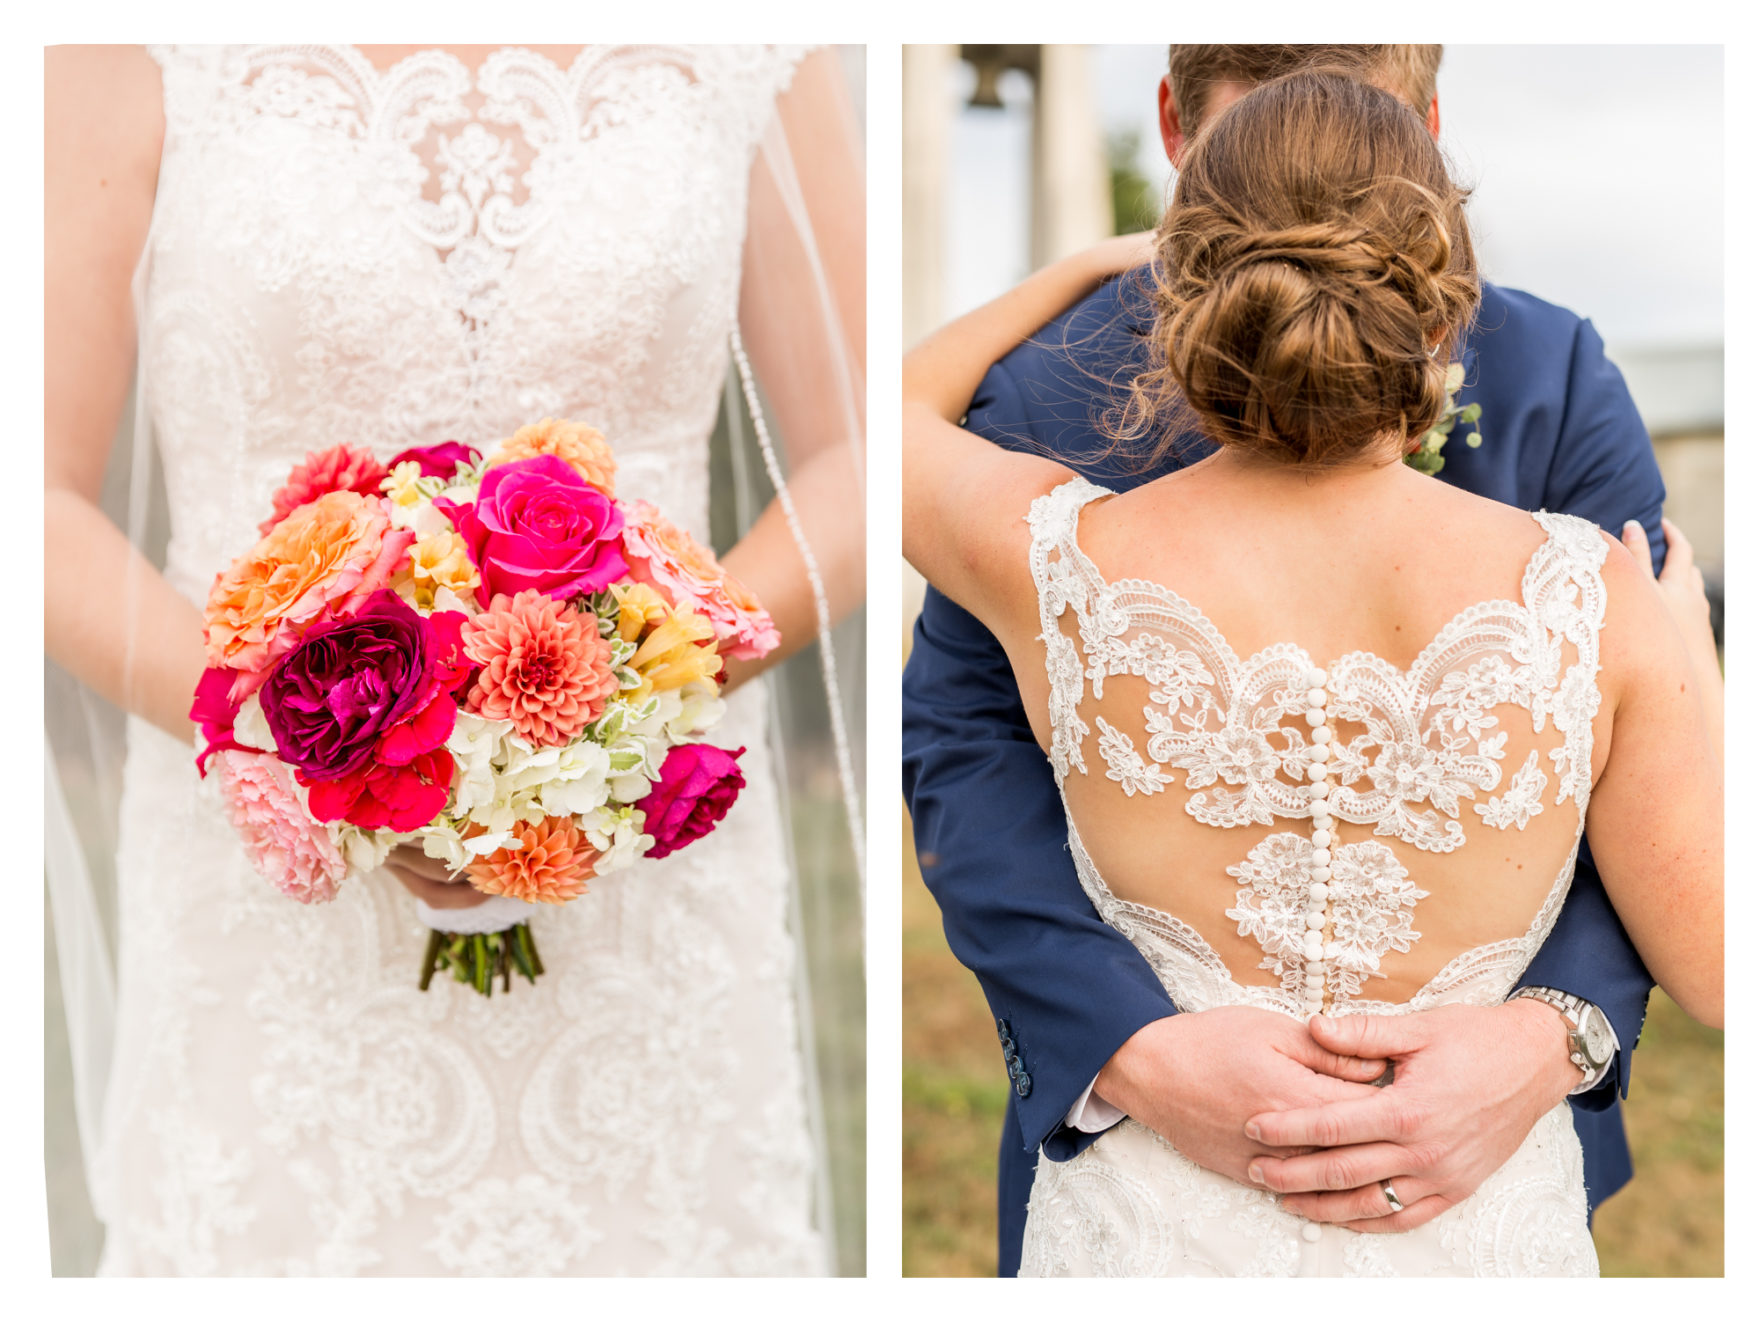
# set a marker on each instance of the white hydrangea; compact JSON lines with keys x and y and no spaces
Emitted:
{"x":252,"y":727}
{"x":617,"y":833}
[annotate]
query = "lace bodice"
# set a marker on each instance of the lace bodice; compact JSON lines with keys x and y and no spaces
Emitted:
{"x":385,"y":259}
{"x":394,"y":258}
{"x":1326,"y":827}
{"x":1488,"y":729}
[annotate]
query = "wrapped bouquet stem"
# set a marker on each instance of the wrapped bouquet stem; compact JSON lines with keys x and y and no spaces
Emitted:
{"x":494,"y":659}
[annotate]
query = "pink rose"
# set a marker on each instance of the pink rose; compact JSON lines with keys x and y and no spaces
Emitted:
{"x":216,"y":712}
{"x":538,"y":526}
{"x":675,"y":564}
{"x":698,"y":783}
{"x":287,"y":847}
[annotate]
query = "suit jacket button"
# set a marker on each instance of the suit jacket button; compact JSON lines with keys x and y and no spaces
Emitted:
{"x":1023,"y":1085}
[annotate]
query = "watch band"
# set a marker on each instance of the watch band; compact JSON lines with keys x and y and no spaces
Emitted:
{"x":1580,"y":1017}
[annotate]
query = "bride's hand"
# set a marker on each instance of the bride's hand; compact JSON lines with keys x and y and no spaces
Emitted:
{"x":1681,"y":583}
{"x":428,"y":879}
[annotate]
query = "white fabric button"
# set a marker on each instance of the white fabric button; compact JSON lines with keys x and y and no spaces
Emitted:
{"x":1320,"y":811}
{"x":1317,"y":677}
{"x":1318,"y":791}
{"x":1321,"y":857}
{"x":1318,"y":891}
{"x":1317,"y":773}
{"x":1316,"y":718}
{"x":1317,"y":698}
{"x":1316,"y":752}
{"x":1322,"y":838}
{"x":1310,"y":1232}
{"x":1322,"y":737}
{"x":1316,"y":920}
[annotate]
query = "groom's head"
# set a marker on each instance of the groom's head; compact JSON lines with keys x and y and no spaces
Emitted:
{"x":1203,"y":81}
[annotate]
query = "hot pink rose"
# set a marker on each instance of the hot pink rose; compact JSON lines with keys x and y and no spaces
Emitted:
{"x":698,"y":783}
{"x":439,"y":460}
{"x":216,"y":712}
{"x":538,"y":526}
{"x":287,"y":847}
{"x":680,"y":568}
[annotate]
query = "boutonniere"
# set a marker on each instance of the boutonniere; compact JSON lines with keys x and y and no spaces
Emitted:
{"x":1426,"y":456}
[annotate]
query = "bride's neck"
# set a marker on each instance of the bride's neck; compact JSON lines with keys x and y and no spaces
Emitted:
{"x":1379,"y":466}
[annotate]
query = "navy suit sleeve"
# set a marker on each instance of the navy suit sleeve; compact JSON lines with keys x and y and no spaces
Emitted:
{"x":1603,"y":469}
{"x":1066,"y":989}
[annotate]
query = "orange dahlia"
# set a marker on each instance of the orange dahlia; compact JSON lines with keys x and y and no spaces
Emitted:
{"x":580,"y":446}
{"x":549,"y":862}
{"x":545,"y":667}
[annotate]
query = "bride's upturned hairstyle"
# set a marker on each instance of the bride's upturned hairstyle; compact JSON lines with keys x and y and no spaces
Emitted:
{"x":1311,"y":276}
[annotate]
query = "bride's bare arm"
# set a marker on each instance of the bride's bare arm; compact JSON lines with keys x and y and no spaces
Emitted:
{"x":790,"y":305}
{"x":102,"y":132}
{"x":1656,"y":817}
{"x":947,"y":470}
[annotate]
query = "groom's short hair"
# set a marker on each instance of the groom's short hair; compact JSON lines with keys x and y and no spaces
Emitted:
{"x":1409,"y":72}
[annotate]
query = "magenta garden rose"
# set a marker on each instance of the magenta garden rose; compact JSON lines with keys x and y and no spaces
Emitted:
{"x":347,"y":684}
{"x":538,"y":526}
{"x":697,"y":784}
{"x":439,"y":460}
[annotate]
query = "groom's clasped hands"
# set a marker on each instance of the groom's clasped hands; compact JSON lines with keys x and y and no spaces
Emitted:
{"x":1269,"y":1101}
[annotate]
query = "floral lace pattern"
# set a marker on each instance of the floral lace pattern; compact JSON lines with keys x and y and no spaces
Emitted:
{"x":341,"y":254}
{"x":1403,"y":751}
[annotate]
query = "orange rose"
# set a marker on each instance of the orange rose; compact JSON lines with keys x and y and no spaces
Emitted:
{"x":580,"y":446}
{"x":318,"y":559}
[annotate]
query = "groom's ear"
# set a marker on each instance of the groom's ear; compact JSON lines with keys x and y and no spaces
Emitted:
{"x":1433,"y":120}
{"x":1173,"y":139}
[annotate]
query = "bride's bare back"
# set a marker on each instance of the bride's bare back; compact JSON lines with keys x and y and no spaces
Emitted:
{"x":1345,"y":767}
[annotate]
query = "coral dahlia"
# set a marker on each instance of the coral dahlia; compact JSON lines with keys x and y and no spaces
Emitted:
{"x":544,"y":667}
{"x":549,"y":862}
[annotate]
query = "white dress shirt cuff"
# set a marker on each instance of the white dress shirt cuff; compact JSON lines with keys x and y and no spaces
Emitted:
{"x":1092,"y":1114}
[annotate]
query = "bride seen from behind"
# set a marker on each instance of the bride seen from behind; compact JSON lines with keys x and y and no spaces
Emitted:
{"x":390,"y":247}
{"x":1363,"y":710}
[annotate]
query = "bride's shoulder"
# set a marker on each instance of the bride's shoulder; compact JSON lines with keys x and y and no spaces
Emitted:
{"x":104,"y":124}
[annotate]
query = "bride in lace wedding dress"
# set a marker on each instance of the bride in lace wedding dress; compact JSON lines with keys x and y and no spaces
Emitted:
{"x":1370,"y":715}
{"x":389,"y":249}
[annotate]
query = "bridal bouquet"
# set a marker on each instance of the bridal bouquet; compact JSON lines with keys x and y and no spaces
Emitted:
{"x":495,"y":659}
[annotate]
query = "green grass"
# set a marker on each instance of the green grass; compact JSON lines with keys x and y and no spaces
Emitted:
{"x":1668,"y":1222}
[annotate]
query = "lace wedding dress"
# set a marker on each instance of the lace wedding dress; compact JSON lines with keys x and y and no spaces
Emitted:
{"x":1287,"y":766}
{"x":384,"y":259}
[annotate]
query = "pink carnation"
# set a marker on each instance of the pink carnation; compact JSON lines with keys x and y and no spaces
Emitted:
{"x":285,"y":844}
{"x":672,"y":561}
{"x":336,"y":468}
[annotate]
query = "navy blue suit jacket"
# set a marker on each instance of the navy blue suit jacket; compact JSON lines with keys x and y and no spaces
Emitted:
{"x":1561,"y":433}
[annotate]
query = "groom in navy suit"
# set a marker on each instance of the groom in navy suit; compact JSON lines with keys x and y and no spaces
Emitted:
{"x":1087,"y":1032}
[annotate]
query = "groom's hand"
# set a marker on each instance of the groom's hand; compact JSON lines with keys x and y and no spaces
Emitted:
{"x":1469,"y":1084}
{"x":1196,"y":1078}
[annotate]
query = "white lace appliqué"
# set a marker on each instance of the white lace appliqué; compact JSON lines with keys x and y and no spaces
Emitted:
{"x":1254,"y":743}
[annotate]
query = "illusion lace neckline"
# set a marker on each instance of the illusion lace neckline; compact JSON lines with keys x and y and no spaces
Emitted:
{"x":1427,"y":656}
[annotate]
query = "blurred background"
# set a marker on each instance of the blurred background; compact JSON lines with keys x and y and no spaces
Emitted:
{"x":1598,"y":185}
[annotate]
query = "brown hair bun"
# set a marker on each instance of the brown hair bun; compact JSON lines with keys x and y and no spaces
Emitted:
{"x":1315,"y":251}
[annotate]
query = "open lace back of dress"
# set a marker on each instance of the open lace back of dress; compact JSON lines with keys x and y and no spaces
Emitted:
{"x":1460,"y":778}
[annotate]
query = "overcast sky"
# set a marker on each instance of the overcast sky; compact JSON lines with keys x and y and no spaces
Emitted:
{"x":1597,"y":171}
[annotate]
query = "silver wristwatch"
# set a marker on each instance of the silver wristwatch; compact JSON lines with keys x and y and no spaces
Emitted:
{"x":1589,"y":1036}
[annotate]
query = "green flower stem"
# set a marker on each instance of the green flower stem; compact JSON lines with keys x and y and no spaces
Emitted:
{"x":478,"y":960}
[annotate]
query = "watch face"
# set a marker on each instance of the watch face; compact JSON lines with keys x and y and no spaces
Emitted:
{"x":1597,"y":1039}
